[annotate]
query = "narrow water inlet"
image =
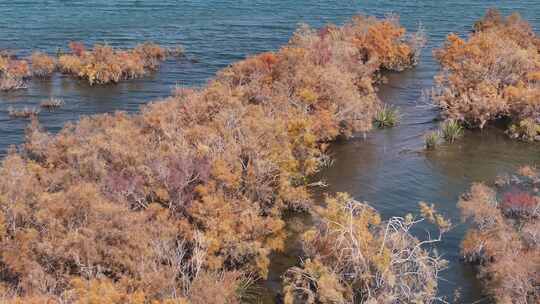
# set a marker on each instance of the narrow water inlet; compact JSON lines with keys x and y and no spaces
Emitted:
{"x":391,"y":170}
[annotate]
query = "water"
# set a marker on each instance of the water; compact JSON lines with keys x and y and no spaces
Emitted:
{"x":387,"y":169}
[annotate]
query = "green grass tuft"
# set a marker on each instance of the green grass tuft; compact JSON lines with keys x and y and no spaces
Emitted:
{"x":387,"y":117}
{"x":451,"y":130}
{"x":432,"y":139}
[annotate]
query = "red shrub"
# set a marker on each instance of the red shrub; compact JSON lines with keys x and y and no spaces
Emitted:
{"x":504,"y":240}
{"x":520,"y":202}
{"x":77,"y":48}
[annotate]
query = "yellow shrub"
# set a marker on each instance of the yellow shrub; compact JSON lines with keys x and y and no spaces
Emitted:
{"x":42,"y":64}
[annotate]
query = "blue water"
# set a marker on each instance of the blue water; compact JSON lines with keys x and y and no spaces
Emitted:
{"x":214,"y":33}
{"x":384,"y":168}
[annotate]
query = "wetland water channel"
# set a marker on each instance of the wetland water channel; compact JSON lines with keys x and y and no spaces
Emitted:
{"x":388,"y":168}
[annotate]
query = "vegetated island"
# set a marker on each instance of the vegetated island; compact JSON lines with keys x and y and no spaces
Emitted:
{"x":100,"y":65}
{"x":492,"y":76}
{"x":183,"y":202}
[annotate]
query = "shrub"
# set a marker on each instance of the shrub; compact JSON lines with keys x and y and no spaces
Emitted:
{"x":526,"y":130}
{"x":354,"y":257}
{"x":387,"y":117}
{"x":42,"y":64}
{"x":103,"y":64}
{"x":504,"y":241}
{"x":12,"y":73}
{"x":491,"y":75}
{"x":191,"y":191}
{"x":451,"y":130}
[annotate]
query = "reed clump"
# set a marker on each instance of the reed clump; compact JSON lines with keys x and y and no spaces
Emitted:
{"x":432,"y":139}
{"x":451,"y":130}
{"x":180,"y":203}
{"x":504,"y":240}
{"x":104,"y":64}
{"x":492,"y":75}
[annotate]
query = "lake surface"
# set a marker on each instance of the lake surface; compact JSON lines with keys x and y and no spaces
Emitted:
{"x":388,"y":168}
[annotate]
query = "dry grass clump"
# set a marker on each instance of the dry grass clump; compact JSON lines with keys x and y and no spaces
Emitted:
{"x":52,"y":103}
{"x":354,"y":257}
{"x":42,"y":64}
{"x":103,"y":64}
{"x":504,"y":240}
{"x":26,"y":112}
{"x":169,"y":204}
{"x":13,"y":72}
{"x":493,"y":74}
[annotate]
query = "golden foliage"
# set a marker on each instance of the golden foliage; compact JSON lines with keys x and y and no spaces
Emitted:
{"x":492,"y":75}
{"x":104,"y":64}
{"x":12,"y":72}
{"x":42,"y":64}
{"x":154,"y":205}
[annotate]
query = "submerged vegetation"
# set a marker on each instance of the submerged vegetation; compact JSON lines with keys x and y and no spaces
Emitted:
{"x":183,"y":202}
{"x":504,"y":240}
{"x":492,"y":75}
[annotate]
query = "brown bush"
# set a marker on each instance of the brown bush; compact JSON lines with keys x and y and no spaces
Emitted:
{"x":42,"y":64}
{"x":13,"y":72}
{"x":354,"y":257}
{"x":504,"y":241}
{"x":104,"y":64}
{"x":193,"y":188}
{"x":493,"y":74}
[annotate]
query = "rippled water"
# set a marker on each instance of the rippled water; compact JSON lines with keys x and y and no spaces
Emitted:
{"x":386,"y":169}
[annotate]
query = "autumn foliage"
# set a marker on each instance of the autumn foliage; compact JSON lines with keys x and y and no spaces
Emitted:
{"x":13,"y":72}
{"x":504,"y":240}
{"x":352,"y":256}
{"x":42,"y":64}
{"x":103,"y":64}
{"x":492,"y":75}
{"x":179,"y":203}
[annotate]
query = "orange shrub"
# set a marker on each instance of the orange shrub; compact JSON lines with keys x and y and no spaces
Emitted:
{"x":193,"y":188}
{"x":42,"y":64}
{"x":504,"y":240}
{"x":12,"y":73}
{"x":104,"y":64}
{"x":492,"y":75}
